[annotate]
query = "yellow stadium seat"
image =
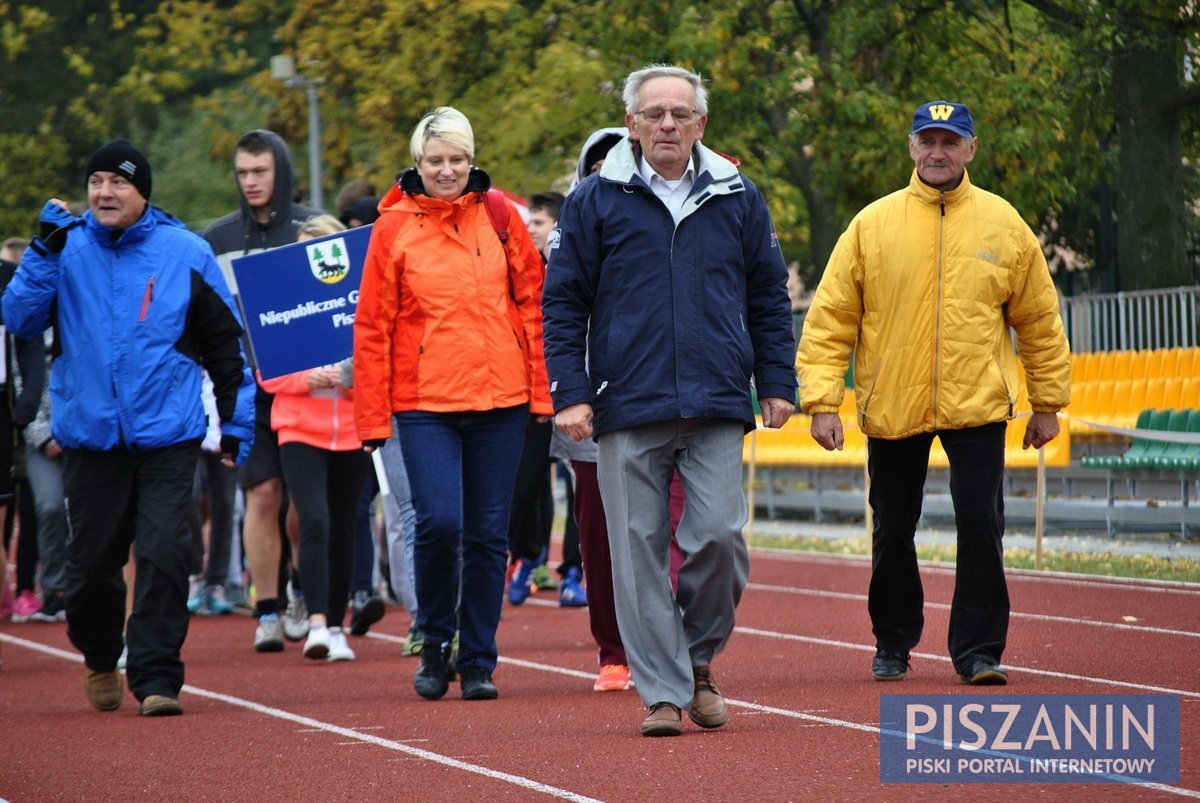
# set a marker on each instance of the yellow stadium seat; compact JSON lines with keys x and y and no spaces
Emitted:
{"x":1148,"y":363}
{"x":1189,"y":362}
{"x":1189,"y":396}
{"x":1171,"y":361}
{"x":1085,"y":367}
{"x":1129,"y":399}
{"x":1172,"y":398}
{"x":1083,"y":401}
{"x":1123,"y":364}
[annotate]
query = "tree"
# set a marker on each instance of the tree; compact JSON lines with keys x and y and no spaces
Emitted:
{"x":1142,"y":45}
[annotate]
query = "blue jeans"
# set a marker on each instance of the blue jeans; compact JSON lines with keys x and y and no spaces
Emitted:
{"x":462,"y":468}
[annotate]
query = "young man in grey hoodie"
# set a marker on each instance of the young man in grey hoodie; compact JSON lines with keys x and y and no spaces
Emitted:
{"x":266,"y":218}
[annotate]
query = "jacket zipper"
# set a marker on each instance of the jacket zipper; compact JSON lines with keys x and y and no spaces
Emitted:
{"x":147,"y":299}
{"x":937,"y":311}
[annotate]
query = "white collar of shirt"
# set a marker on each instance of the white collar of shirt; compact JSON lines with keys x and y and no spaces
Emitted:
{"x":672,"y":193}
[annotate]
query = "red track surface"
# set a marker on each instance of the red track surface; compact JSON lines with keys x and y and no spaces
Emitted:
{"x":803,"y":725}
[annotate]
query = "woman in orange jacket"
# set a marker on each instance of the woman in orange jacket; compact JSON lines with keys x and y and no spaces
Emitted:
{"x":448,"y":340}
{"x":325,"y":470}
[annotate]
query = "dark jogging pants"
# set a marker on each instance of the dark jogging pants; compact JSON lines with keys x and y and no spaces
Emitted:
{"x":116,"y":499}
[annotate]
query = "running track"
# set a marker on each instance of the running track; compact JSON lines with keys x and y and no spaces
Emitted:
{"x":803,"y":726}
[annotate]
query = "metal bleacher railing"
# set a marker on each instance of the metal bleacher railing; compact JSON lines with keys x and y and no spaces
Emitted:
{"x":1137,"y":320}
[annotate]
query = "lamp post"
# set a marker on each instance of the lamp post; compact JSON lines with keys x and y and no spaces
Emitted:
{"x":283,"y":68}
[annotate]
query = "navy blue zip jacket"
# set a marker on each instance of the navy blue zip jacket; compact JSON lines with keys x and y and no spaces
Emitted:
{"x":137,"y":318}
{"x":674,"y":320}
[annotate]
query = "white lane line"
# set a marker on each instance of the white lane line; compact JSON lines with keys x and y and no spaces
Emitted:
{"x":841,"y":723}
{"x":1037,"y":617}
{"x":750,"y":631}
{"x":562,"y":793}
{"x":327,"y":727}
{"x":1149,"y":585}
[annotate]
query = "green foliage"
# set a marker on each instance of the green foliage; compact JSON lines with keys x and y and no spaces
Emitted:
{"x":812,"y":96}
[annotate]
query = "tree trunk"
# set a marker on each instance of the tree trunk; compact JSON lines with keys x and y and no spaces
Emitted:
{"x":1151,"y":213}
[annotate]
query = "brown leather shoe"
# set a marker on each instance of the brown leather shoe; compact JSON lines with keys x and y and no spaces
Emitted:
{"x":160,"y":705}
{"x":664,"y":719}
{"x":104,"y":689}
{"x":708,"y":706}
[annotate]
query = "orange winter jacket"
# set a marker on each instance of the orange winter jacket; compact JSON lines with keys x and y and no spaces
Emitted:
{"x":321,"y":418}
{"x":445,"y":322}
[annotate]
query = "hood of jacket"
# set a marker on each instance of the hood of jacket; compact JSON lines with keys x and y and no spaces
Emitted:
{"x":621,"y":165}
{"x":597,"y":145}
{"x":285,"y":180}
{"x":410,"y":183}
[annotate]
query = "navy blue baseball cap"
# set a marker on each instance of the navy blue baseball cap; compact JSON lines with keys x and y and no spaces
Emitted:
{"x":943,"y":114}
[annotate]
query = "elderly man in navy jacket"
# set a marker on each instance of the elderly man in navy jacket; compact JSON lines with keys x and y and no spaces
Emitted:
{"x":665,"y":295}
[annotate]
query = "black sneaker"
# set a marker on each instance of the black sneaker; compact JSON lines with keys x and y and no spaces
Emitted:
{"x":54,"y":609}
{"x":433,"y":678}
{"x":477,"y":684}
{"x":984,"y":672}
{"x":365,"y":610}
{"x":889,"y":664}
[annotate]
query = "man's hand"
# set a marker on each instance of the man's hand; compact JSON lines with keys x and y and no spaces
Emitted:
{"x":826,"y":430}
{"x":1041,"y":429}
{"x":575,"y":420}
{"x":234,"y":451}
{"x":775,"y":411}
{"x":53,"y":223}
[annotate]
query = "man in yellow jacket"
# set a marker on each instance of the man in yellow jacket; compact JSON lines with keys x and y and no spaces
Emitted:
{"x":938,"y":290}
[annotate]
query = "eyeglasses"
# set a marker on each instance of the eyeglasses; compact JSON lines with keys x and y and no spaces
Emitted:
{"x":681,"y":115}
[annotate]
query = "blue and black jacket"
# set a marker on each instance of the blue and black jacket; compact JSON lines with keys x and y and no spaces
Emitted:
{"x":138,"y":314}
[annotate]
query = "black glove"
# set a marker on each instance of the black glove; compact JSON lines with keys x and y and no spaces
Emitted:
{"x":235,"y":449}
{"x":53,"y":223}
{"x":377,"y":443}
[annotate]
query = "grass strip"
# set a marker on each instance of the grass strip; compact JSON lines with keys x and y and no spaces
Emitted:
{"x":1105,"y":564}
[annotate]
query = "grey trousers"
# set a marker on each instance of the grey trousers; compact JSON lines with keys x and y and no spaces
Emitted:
{"x":666,"y":635}
{"x":46,"y":479}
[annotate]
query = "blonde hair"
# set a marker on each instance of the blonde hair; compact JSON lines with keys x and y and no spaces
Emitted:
{"x":319,"y":226}
{"x":447,"y":124}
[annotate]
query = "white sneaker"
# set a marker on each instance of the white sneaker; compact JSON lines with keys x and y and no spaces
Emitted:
{"x":268,"y":636}
{"x":317,"y":646}
{"x":295,"y":618}
{"x":339,"y":650}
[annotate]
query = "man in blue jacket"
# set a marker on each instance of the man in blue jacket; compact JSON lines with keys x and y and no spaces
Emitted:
{"x":140,"y":308}
{"x":665,"y":295}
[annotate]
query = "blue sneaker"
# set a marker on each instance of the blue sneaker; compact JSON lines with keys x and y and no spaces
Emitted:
{"x":572,"y":595}
{"x":518,"y":589}
{"x":195,"y":594}
{"x":215,"y":603}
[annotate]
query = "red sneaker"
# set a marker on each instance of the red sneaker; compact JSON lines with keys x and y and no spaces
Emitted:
{"x":613,"y":677}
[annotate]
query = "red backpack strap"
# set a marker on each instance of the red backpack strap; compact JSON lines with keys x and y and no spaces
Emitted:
{"x":497,"y":209}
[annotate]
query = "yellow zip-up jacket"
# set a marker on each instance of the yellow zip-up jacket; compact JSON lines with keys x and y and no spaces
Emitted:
{"x":923,"y":287}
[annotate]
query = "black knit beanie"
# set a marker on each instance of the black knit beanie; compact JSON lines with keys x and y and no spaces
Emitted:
{"x":125,"y":160}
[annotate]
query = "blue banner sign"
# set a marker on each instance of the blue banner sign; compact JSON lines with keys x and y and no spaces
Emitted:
{"x":1029,"y":738}
{"x":299,"y":300}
